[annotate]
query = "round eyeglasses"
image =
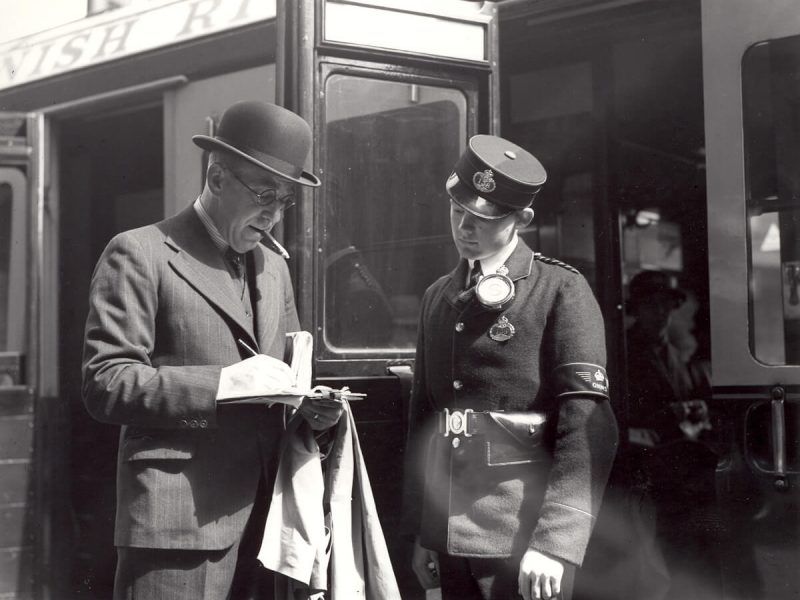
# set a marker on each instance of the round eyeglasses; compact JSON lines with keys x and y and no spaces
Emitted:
{"x":266,"y":198}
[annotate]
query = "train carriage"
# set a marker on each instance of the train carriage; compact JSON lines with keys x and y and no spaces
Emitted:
{"x":668,"y":132}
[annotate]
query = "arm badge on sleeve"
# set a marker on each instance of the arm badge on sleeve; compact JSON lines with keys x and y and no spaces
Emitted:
{"x":581,"y":378}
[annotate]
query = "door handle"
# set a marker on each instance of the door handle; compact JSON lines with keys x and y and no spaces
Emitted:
{"x":405,"y":374}
{"x":778,"y":437}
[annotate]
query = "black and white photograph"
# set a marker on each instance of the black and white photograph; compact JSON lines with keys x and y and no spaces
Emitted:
{"x":399,"y":299}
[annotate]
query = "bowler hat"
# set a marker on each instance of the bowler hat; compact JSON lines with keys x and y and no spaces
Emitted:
{"x":269,"y":136}
{"x":495,"y":177}
{"x":646,"y":285}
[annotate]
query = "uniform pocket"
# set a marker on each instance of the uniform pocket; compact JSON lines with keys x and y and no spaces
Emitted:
{"x":516,"y":439}
{"x":506,"y":452}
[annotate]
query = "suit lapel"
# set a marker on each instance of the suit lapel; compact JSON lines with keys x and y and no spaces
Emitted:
{"x":201,"y":264}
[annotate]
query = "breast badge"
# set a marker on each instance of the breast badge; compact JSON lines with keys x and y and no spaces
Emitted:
{"x":502,"y":330}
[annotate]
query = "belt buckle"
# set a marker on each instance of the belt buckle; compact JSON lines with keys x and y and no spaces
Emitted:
{"x":456,"y":422}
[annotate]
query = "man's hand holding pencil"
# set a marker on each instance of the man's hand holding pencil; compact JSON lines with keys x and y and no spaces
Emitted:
{"x":262,"y":376}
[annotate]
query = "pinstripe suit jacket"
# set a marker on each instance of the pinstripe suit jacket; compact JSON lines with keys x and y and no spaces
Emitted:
{"x":163,"y":320}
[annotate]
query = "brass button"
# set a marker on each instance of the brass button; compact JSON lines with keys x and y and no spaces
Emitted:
{"x":459,"y":326}
{"x":457,"y":384}
{"x":456,"y":442}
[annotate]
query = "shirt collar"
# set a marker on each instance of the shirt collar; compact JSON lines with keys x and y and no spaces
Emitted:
{"x":490,"y":264}
{"x":208,"y":223}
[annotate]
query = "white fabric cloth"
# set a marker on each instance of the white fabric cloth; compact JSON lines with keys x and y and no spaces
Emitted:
{"x":300,"y":541}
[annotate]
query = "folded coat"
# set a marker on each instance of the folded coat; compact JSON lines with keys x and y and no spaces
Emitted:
{"x":301,"y":541}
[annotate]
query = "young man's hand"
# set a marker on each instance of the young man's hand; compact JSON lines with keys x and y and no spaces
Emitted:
{"x":425,"y":564}
{"x":539,"y":576}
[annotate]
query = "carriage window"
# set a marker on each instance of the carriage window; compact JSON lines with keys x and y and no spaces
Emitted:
{"x":13,"y":285}
{"x":771,"y":97}
{"x":391,"y":146}
{"x":5,"y":256}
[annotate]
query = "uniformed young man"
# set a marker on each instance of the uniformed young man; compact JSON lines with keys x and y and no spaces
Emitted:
{"x":511,"y":433}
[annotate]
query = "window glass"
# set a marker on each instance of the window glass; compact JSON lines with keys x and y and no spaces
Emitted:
{"x":6,"y":196}
{"x":13,"y":268}
{"x":391,"y":146}
{"x":771,"y":97}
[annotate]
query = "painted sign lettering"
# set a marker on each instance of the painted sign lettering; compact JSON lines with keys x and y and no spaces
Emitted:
{"x":123,"y":32}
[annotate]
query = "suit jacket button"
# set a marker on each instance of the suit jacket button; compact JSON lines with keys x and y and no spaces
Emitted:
{"x":457,"y":384}
{"x":459,"y":327}
{"x":203,"y":423}
{"x":193,"y":423}
{"x":184,"y":423}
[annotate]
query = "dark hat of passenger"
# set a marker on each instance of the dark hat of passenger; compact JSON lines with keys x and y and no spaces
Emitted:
{"x":269,"y":136}
{"x":647,"y":285}
{"x":494,"y":177}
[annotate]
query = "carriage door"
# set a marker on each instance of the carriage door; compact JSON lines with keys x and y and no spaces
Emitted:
{"x":24,"y":527}
{"x":393,"y":90}
{"x":752,"y":104}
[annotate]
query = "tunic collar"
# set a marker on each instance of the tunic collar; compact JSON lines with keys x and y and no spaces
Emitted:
{"x":520,"y":264}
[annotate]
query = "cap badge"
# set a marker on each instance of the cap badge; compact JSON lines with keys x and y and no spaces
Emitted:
{"x":502,"y":330}
{"x":484,"y":181}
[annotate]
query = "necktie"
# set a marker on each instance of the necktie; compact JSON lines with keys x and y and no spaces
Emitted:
{"x":236,"y":262}
{"x":475,"y":274}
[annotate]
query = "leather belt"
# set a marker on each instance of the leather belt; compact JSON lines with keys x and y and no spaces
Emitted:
{"x":464,"y":422}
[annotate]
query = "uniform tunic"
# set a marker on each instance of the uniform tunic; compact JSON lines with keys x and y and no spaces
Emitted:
{"x":456,"y":499}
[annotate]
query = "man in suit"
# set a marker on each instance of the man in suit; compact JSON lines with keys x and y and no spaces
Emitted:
{"x":174,"y":307}
{"x":510,"y":399}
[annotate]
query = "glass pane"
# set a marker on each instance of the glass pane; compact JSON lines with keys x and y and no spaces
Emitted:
{"x":6,"y":198}
{"x":391,"y":146}
{"x":13,"y":279}
{"x":406,"y":31}
{"x":771,"y":96}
